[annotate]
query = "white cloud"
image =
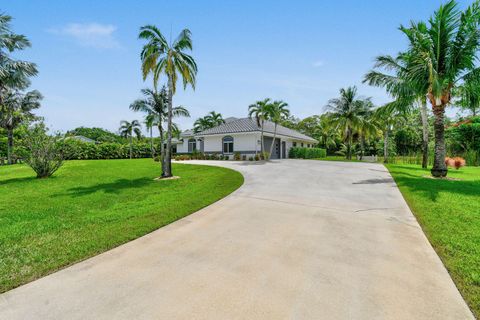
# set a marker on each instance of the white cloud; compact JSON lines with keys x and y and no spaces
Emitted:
{"x":318,"y":63}
{"x":90,"y":34}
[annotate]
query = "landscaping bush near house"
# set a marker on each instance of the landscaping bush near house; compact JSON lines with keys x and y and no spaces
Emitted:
{"x":78,"y":150}
{"x":307,"y":153}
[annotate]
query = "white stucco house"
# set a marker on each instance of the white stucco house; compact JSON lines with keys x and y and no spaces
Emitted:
{"x":242,"y":136}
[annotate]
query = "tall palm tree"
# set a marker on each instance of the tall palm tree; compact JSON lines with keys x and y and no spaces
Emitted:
{"x":216,"y":118}
{"x":16,"y":109}
{"x":386,"y":118}
{"x":391,"y":73}
{"x":276,"y":112}
{"x":447,"y":49}
{"x":346,"y":114}
{"x":162,"y":58}
{"x":211,"y":120}
{"x":150,"y":122}
{"x":155,"y":105}
{"x":259,"y":111}
{"x":128,"y":129}
{"x":13,"y":73}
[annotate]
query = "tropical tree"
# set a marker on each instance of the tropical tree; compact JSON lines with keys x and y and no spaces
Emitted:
{"x":276,"y":112}
{"x":211,"y":120}
{"x":155,"y":105}
{"x":447,"y":49}
{"x":386,"y":118}
{"x":468,"y":96}
{"x":392,"y":74}
{"x":128,"y":129}
{"x":17,"y":109}
{"x":347,"y":115}
{"x":259,"y":110}
{"x":13,"y":73}
{"x":162,"y":58}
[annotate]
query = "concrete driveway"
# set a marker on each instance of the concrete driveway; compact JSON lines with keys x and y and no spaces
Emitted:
{"x":300,"y":240}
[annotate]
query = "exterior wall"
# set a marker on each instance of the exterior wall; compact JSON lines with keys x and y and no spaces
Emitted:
{"x":183,"y":147}
{"x":243,"y":143}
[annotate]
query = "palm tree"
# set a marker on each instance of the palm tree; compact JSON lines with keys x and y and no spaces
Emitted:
{"x":15,"y":110}
{"x":259,"y":111}
{"x":155,"y":105}
{"x":211,"y":120}
{"x":447,"y":50}
{"x":216,"y":118}
{"x":346,"y":114}
{"x":407,"y":94}
{"x":150,"y":122}
{"x":128,"y":129}
{"x":385,"y":118}
{"x":13,"y":73}
{"x":276,"y":112}
{"x":468,"y":96}
{"x":162,"y":58}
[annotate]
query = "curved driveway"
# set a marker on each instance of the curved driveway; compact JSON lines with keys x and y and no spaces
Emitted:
{"x":300,"y":240}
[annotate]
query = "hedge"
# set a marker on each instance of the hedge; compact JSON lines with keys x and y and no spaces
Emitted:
{"x":307,"y":153}
{"x":78,"y":150}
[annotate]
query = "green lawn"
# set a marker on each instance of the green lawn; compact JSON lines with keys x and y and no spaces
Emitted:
{"x":449,"y":213}
{"x":91,"y":206}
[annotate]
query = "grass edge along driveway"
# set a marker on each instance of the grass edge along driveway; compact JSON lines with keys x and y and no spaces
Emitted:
{"x":92,"y":206}
{"x":449,"y":214}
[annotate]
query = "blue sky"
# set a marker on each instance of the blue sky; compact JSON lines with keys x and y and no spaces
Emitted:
{"x":299,"y":51}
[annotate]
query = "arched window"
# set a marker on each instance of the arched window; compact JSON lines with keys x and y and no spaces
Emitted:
{"x":192,"y":145}
{"x":227,"y":145}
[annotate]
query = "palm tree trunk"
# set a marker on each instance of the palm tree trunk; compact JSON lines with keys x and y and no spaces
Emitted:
{"x":439,"y":167}
{"x":385,"y":146}
{"x":162,"y":148}
{"x":10,"y":146}
{"x":168,"y":159}
{"x":131,"y":143}
{"x":262,"y":145}
{"x":151,"y":143}
{"x":349,"y":144}
{"x":423,"y":112}
{"x":273,"y":142}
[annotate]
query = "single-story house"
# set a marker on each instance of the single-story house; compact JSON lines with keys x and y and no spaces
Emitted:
{"x":243,"y":136}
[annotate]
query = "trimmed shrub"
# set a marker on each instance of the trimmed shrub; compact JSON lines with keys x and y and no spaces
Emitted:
{"x":237,"y":156}
{"x":307,"y":153}
{"x":78,"y":150}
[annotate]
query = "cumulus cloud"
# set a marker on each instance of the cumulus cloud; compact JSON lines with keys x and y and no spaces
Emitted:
{"x":318,"y":63}
{"x":89,"y":34}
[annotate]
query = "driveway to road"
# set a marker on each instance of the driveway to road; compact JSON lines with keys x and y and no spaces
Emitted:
{"x":299,"y":240}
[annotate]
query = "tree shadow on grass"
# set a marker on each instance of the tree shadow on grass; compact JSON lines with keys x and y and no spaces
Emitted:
{"x":432,"y":187}
{"x":24,"y":179}
{"x":115,"y":187}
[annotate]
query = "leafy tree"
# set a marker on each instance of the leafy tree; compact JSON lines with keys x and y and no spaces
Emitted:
{"x":155,"y":105}
{"x":347,"y":115}
{"x":162,"y":58}
{"x":97,"y":134}
{"x":259,"y":110}
{"x":128,"y":129}
{"x":276,"y":112}
{"x":447,"y":49}
{"x":44,"y":152}
{"x":13,"y":73}
{"x":17,"y":109}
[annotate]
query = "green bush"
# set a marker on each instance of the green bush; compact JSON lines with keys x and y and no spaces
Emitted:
{"x":307,"y":153}
{"x":78,"y":150}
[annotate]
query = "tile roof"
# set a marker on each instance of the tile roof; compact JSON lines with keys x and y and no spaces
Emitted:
{"x":250,"y":125}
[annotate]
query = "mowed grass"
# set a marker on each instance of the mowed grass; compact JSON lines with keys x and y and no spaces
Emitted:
{"x":91,"y":206}
{"x":449,"y":213}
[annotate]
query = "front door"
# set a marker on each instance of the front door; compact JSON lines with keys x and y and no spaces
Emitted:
{"x":284,"y":152}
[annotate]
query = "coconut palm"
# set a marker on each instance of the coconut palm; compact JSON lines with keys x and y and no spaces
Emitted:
{"x":276,"y":112}
{"x":155,"y":105}
{"x":259,"y":111}
{"x":162,"y":58}
{"x":347,"y":115}
{"x":447,"y":49}
{"x":13,"y":73}
{"x":128,"y":129}
{"x":211,"y":120}
{"x":216,"y":118}
{"x":391,"y":73}
{"x":17,"y":109}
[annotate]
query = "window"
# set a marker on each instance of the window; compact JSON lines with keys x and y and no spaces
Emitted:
{"x":302,"y":144}
{"x":294,"y":144}
{"x":227,"y":145}
{"x":308,"y":145}
{"x":192,"y":145}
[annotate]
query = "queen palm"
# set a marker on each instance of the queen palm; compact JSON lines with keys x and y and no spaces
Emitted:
{"x":391,"y":73}
{"x":13,"y":73}
{"x":128,"y":129}
{"x":447,"y":49}
{"x":276,"y":112}
{"x":346,"y":114}
{"x":17,"y":109}
{"x":259,"y":111}
{"x":155,"y":105}
{"x":162,"y":58}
